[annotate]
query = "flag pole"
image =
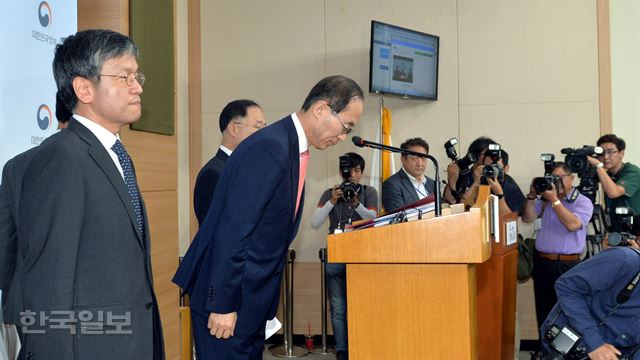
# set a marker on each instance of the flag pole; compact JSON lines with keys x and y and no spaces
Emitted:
{"x":381,"y":165}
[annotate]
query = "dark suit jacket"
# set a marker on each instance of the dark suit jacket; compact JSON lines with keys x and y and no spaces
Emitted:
{"x":398,"y":191}
{"x":81,"y":251}
{"x":236,"y":259}
{"x":206,"y":184}
{"x":10,"y":190}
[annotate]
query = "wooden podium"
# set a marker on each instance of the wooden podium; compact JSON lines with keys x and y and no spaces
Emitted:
{"x":415,"y":290}
{"x":411,"y":287}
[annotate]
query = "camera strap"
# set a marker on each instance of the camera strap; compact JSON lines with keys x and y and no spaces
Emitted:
{"x":625,"y":293}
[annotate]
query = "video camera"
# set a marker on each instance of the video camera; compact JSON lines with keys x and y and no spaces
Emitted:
{"x":493,"y":170}
{"x":544,"y":183}
{"x":349,"y":189}
{"x":576,"y":160}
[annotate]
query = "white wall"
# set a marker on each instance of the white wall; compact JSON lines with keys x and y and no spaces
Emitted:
{"x":624,"y":20}
{"x":522,"y":72}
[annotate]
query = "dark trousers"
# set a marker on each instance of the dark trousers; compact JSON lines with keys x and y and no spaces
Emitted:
{"x":237,"y":347}
{"x":545,"y":273}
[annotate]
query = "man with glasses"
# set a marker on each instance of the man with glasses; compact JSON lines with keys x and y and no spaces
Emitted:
{"x":565,"y":215}
{"x":84,"y":269}
{"x":238,"y":120}
{"x":409,"y":184}
{"x":620,"y":181}
{"x":233,"y":268}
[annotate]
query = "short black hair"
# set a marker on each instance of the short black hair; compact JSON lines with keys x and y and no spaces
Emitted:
{"x":504,"y":155}
{"x":612,"y":138}
{"x":356,"y":160}
{"x":336,"y":90}
{"x":479,"y":145}
{"x":414,"y":142}
{"x":62,"y":113}
{"x":83,"y":54}
{"x":562,"y":165}
{"x":233,"y":110}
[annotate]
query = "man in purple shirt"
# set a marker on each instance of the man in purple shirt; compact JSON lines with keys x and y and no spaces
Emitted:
{"x":565,"y":215}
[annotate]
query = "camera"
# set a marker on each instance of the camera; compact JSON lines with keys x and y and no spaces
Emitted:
{"x":493,"y":170}
{"x":576,"y":159}
{"x":349,"y":189}
{"x":544,"y":183}
{"x":566,"y":342}
{"x":465,"y":176}
{"x":463,"y":163}
{"x":623,"y":227}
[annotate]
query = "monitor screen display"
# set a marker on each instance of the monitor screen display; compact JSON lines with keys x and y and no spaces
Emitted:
{"x":403,"y":62}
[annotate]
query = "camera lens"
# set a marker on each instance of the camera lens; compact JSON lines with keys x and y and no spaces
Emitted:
{"x":541,"y":184}
{"x":490,"y":171}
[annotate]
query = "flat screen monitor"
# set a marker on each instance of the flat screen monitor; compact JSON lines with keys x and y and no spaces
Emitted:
{"x":403,"y":62}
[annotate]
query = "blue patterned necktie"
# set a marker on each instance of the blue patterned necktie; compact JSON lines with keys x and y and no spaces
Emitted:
{"x":130,"y":181}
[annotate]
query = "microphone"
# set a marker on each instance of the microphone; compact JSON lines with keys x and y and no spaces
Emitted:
{"x":360,"y":142}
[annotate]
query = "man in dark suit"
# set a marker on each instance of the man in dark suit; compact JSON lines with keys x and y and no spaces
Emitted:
{"x":238,"y":120}
{"x":233,"y":268}
{"x":85,"y":273}
{"x":409,"y":184}
{"x":10,"y":190}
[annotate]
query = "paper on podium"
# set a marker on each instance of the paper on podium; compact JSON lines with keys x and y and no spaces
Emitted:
{"x":412,"y":212}
{"x":272,"y":327}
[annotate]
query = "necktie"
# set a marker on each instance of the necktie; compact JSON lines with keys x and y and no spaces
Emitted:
{"x":304,"y":160}
{"x":130,"y":181}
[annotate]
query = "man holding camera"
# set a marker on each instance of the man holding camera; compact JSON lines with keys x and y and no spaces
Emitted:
{"x":342,"y":205}
{"x":598,"y":308}
{"x":409,"y":184}
{"x":620,"y":180}
{"x":565,"y":214}
{"x":487,"y":154}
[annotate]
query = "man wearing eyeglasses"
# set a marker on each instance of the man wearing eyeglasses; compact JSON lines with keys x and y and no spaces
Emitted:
{"x":233,"y":268}
{"x":85,"y":265}
{"x":620,"y":180}
{"x":409,"y":184}
{"x":238,"y":120}
{"x":565,"y":215}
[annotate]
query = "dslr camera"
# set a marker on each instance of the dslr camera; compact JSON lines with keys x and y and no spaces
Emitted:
{"x":349,"y":189}
{"x":544,"y":183}
{"x":464,"y":163}
{"x":465,"y":177}
{"x":623,"y":226}
{"x":493,"y":170}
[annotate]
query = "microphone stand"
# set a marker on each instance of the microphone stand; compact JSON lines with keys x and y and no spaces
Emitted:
{"x":369,"y":144}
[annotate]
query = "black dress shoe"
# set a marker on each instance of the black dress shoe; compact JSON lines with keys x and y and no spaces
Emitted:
{"x":342,"y":355}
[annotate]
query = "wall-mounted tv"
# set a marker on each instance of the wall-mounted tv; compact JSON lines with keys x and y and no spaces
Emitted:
{"x":403,"y":62}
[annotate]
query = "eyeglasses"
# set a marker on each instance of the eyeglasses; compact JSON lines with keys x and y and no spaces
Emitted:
{"x":609,"y":152}
{"x":130,"y":78}
{"x":258,"y":126}
{"x":345,"y":129}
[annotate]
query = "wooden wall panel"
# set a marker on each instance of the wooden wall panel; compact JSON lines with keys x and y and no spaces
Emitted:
{"x":155,"y":158}
{"x":162,"y":209}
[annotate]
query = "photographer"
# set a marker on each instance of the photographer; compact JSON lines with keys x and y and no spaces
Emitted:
{"x":565,"y":214}
{"x":591,"y":301}
{"x":620,"y":180}
{"x":506,"y":189}
{"x":342,"y":211}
